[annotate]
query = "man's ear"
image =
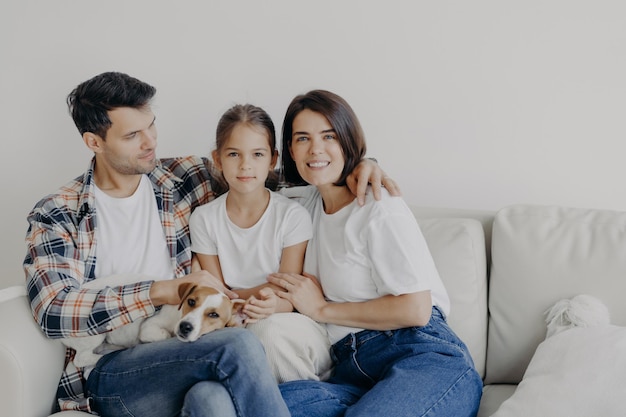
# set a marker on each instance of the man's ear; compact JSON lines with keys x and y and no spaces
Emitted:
{"x":216,"y":159}
{"x":92,"y":141}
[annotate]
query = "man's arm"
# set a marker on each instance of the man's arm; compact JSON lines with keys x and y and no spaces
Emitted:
{"x":166,"y":291}
{"x":369,"y":172}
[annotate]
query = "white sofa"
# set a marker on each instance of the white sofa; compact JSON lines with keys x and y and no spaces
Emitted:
{"x":503,"y":271}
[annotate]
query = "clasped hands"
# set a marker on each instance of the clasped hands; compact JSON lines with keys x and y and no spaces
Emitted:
{"x":304,"y":292}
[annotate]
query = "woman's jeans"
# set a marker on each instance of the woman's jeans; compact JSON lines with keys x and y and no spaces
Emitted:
{"x":223,"y":373}
{"x":416,"y":371}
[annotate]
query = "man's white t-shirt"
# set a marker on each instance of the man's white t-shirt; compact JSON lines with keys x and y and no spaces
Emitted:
{"x":248,"y":255}
{"x":363,"y":253}
{"x":129,"y":235}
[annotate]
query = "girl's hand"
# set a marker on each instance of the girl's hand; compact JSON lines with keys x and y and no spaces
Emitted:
{"x":302,"y":291}
{"x":257,"y":309}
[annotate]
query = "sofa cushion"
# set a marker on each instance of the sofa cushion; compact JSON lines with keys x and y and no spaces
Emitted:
{"x":458,"y":248}
{"x":541,"y":254}
{"x":579,"y":372}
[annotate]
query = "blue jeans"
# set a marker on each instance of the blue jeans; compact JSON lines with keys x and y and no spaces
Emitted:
{"x":416,"y":371}
{"x":223,"y":373}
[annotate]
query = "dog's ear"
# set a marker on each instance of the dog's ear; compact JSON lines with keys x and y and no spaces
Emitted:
{"x":238,"y":317}
{"x":184,"y":290}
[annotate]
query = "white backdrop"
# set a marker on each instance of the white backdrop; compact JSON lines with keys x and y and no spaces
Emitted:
{"x":473,"y":104}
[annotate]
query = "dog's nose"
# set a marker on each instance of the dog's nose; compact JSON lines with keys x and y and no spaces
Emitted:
{"x":184,"y":328}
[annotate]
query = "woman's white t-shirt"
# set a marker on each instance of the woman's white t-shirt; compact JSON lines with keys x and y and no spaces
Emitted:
{"x":363,"y":253}
{"x":248,"y":255}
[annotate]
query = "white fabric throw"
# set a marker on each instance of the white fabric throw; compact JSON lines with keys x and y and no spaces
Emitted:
{"x":577,"y":371}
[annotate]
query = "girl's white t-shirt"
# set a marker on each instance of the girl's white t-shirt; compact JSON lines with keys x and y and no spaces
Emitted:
{"x":248,"y":255}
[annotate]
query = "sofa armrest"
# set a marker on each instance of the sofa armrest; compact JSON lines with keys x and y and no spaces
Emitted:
{"x":31,"y":363}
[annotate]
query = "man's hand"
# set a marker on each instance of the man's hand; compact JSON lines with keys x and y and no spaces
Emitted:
{"x":166,"y":291}
{"x":368,"y":172}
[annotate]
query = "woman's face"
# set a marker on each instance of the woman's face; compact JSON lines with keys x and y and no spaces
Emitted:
{"x":315,"y":149}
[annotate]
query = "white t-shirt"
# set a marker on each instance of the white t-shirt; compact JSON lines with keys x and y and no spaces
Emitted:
{"x":129,"y":235}
{"x":363,"y":253}
{"x":248,"y":255}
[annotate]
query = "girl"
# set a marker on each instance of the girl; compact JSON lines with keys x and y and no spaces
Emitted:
{"x":379,"y":292}
{"x":249,"y":232}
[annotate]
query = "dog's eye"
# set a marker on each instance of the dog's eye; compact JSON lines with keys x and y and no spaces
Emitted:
{"x":213,"y":315}
{"x":191,"y":302}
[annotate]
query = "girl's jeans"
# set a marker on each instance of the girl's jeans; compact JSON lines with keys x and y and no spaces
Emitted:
{"x":223,"y":370}
{"x":416,"y":371}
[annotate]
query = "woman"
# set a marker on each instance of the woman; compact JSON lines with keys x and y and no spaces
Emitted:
{"x":370,"y":277}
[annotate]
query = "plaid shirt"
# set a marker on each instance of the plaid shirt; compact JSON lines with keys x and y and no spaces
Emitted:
{"x":62,"y":255}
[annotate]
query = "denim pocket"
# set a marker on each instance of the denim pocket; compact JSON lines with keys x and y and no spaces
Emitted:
{"x":438,"y":332}
{"x":111,"y":407}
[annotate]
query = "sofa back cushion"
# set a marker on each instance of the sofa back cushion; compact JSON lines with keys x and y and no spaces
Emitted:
{"x":541,"y":254}
{"x":458,"y":248}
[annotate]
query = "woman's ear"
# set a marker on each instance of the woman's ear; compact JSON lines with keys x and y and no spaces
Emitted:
{"x":290,"y":150}
{"x":216,"y":159}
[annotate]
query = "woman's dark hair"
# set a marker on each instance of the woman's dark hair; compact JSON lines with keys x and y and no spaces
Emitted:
{"x":342,"y":119}
{"x":90,"y":102}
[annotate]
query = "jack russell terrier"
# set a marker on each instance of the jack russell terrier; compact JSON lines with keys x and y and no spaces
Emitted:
{"x":201,"y":310}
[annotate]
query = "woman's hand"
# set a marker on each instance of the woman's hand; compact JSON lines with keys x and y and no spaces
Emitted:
{"x":369,"y":172}
{"x":302,"y":291}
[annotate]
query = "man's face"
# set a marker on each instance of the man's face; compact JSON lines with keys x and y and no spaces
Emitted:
{"x":131,"y":141}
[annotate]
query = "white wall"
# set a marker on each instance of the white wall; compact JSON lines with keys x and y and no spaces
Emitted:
{"x":474,"y":104}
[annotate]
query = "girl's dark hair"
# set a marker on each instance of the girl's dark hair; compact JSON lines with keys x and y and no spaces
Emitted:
{"x":342,"y":119}
{"x":90,"y":102}
{"x":250,"y":115}
{"x":244,"y":114}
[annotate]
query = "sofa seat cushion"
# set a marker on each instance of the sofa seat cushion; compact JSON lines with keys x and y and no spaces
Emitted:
{"x":579,"y":372}
{"x":541,"y":254}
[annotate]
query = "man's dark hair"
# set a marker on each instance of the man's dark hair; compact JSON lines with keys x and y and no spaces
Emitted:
{"x":91,"y":100}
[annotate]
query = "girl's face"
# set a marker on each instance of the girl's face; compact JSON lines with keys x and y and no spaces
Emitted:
{"x":246,"y":158}
{"x":315,"y":149}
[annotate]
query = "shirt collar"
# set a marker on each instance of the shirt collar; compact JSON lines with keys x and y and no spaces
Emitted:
{"x":160,"y":177}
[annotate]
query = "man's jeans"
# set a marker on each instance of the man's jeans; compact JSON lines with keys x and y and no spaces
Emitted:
{"x":417,"y":371}
{"x":223,"y":370}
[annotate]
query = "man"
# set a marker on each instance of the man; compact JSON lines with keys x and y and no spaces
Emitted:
{"x":128,"y":214}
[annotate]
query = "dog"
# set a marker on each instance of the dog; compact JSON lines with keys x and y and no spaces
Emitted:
{"x":201,"y":310}
{"x":204,"y":309}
